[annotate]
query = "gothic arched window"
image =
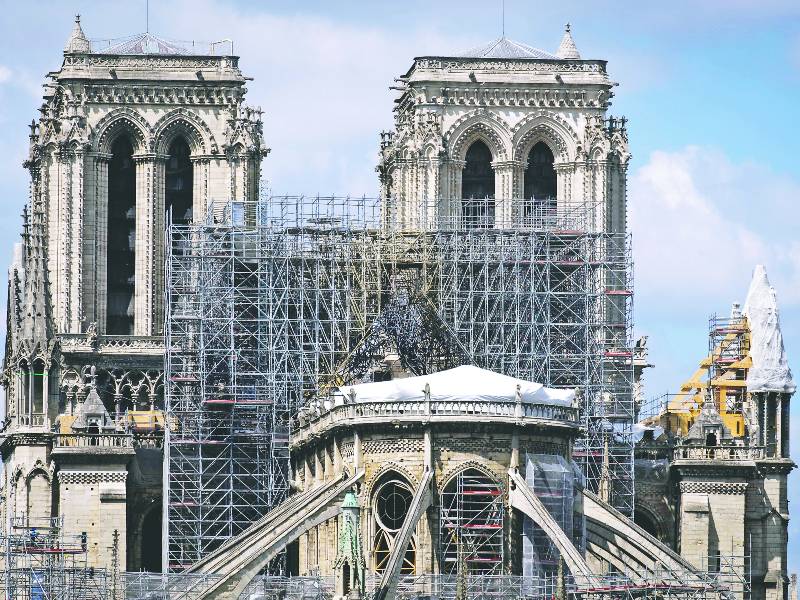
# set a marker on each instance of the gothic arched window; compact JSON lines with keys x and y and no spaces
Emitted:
{"x":391,"y":503}
{"x":25,"y":387}
{"x":121,"y":238}
{"x":477,"y":186}
{"x":540,"y":180}
{"x":179,"y":183}
{"x":38,"y":386}
{"x":471,"y":525}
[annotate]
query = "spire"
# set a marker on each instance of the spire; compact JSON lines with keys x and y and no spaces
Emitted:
{"x":567,"y":50}
{"x":770,"y":371}
{"x":36,"y":316}
{"x":77,"y":42}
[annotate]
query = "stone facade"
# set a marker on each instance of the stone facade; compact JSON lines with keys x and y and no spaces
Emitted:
{"x":128,"y":135}
{"x":484,"y":445}
{"x":511,"y":99}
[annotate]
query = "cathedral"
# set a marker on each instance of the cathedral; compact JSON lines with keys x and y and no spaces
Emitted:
{"x":434,"y":394}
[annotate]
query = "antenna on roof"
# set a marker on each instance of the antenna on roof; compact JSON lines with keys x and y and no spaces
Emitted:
{"x":503,"y":18}
{"x":147,"y":16}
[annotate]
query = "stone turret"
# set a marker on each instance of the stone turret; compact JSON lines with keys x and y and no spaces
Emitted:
{"x":567,"y":49}
{"x":77,"y":42}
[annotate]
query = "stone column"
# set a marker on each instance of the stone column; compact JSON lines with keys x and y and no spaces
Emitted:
{"x":149,"y":237}
{"x":200,"y":186}
{"x":96,"y":250}
{"x":77,"y":218}
{"x":451,"y":212}
{"x":564,"y":203}
{"x":504,"y":192}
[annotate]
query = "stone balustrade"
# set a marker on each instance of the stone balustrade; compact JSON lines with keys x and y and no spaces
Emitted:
{"x":740,"y":453}
{"x":33,"y":421}
{"x":93,"y":440}
{"x":73,"y":342}
{"x":310,"y":422}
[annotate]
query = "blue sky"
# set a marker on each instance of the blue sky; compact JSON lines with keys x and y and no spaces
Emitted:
{"x":710,"y":89}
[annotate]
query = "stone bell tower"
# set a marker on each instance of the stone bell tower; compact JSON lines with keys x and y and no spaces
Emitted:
{"x":502,"y":132}
{"x":130,"y":135}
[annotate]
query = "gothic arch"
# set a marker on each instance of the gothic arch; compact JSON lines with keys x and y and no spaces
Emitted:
{"x":549,"y":128}
{"x":118,"y":121}
{"x":390,"y":466}
{"x":182,"y":121}
{"x":479,"y":125}
{"x":38,"y":492}
{"x":39,"y":467}
{"x":453,"y":472}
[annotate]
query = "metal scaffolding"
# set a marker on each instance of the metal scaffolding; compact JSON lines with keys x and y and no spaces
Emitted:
{"x":41,"y":562}
{"x":321,"y":290}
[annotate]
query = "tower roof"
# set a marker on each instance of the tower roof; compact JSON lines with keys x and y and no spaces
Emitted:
{"x":504,"y":48}
{"x":567,"y":50}
{"x":77,"y":42}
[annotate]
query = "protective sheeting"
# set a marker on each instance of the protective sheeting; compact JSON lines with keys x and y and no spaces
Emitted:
{"x":557,"y":482}
{"x":462,"y":383}
{"x":770,"y":371}
{"x":639,"y":429}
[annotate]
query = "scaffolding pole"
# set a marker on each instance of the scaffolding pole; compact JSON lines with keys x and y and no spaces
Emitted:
{"x":262,"y":316}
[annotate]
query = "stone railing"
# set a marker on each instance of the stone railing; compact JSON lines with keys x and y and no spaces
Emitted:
{"x":33,"y":421}
{"x":420,"y":410}
{"x":78,"y":342}
{"x":719,"y":453}
{"x":93,"y":440}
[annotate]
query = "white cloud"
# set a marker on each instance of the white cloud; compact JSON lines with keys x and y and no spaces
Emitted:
{"x":5,"y":74}
{"x":701,"y":222}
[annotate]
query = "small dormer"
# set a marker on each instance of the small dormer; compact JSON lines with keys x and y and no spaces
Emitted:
{"x":92,"y":416}
{"x":708,"y":429}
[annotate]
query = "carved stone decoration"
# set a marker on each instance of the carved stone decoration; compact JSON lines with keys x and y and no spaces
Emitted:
{"x":90,"y":477}
{"x":61,"y":276}
{"x":713,"y":487}
{"x":510,"y":105}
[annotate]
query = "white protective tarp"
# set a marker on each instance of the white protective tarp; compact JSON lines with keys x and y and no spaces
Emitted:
{"x":770,"y":371}
{"x":462,"y":383}
{"x":638,"y":430}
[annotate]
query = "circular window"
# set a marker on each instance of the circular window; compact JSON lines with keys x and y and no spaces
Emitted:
{"x":391,"y":505}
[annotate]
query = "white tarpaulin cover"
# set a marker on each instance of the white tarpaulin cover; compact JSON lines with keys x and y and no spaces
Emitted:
{"x":770,"y":371}
{"x":462,"y":383}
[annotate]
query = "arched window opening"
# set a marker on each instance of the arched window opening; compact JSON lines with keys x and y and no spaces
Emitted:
{"x":711,"y":439}
{"x":391,"y":503}
{"x":38,"y":500}
{"x":477,"y":187}
{"x":120,"y":273}
{"x":25,"y":385}
{"x":142,"y":399}
{"x":471,"y":524}
{"x":179,"y":183}
{"x":151,"y":541}
{"x":540,"y":182}
{"x":38,"y":387}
